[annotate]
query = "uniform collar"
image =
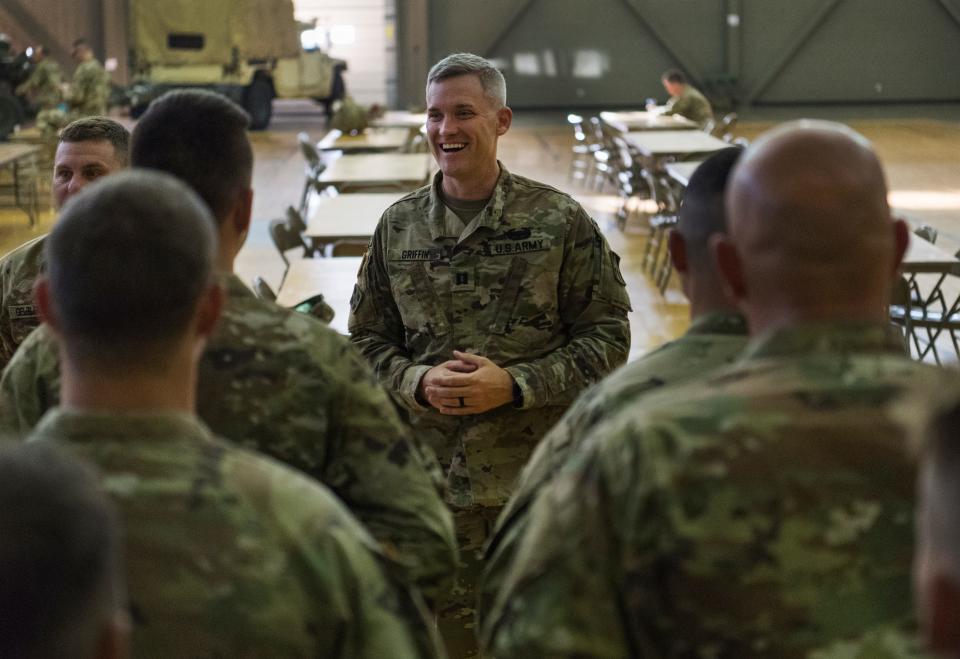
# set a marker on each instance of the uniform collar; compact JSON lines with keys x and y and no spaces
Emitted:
{"x":719,"y":322}
{"x":79,"y":426}
{"x":235,"y":287}
{"x":827,"y":337}
{"x":490,"y":217}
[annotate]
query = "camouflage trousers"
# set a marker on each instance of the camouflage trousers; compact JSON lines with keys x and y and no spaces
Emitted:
{"x":456,"y":613}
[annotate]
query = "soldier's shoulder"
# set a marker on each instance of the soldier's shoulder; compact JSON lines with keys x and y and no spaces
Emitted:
{"x":524,"y":188}
{"x":296,"y":503}
{"x":410,"y":205}
{"x":28,"y":256}
{"x":288,"y":336}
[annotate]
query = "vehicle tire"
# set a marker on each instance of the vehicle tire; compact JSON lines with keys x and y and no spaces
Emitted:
{"x":258,"y":102}
{"x":11,"y":114}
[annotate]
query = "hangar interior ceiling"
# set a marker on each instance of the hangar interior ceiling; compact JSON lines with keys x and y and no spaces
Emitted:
{"x":568,"y":53}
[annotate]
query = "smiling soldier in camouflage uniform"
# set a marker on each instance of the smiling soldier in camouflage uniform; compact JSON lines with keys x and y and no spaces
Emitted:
{"x":272,"y":379}
{"x":717,"y":335}
{"x":765,"y":511}
{"x":486,"y":304}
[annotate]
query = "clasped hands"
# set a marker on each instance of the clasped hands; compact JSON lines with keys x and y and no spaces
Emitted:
{"x":467,"y":384}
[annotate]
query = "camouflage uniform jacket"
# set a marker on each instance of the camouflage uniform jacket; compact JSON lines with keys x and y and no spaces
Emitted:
{"x":19,"y":270}
{"x":285,"y":384}
{"x":765,"y":511}
{"x":691,"y":104}
{"x":713,"y":340}
{"x":531,"y":284}
{"x":43,"y":85}
{"x":229,"y":554}
{"x":89,"y":90}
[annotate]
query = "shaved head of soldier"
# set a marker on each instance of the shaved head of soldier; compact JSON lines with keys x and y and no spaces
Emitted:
{"x":810,"y":234}
{"x":702,"y":214}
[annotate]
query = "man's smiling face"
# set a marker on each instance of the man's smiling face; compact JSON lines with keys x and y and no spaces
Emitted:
{"x":463,"y":125}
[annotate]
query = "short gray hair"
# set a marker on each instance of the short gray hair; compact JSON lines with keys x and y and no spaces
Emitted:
{"x":458,"y":64}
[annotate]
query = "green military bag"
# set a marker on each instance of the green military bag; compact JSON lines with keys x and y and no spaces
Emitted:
{"x":350,"y":118}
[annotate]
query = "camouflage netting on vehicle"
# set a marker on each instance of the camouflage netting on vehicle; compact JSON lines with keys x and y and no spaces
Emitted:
{"x":257,"y":29}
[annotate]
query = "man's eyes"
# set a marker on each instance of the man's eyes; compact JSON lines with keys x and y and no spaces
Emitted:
{"x":93,"y":173}
{"x":62,"y":173}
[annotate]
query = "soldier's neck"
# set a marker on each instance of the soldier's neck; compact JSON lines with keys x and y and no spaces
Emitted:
{"x":472,"y":188}
{"x":122,"y":390}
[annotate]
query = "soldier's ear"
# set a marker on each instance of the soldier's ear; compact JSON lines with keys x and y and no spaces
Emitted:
{"x":728,"y":264}
{"x":209,"y":308}
{"x":504,"y":119}
{"x":41,"y":293}
{"x":678,"y":251}
{"x":243,"y":211}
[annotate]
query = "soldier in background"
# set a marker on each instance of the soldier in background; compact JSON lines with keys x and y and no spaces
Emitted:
{"x":227,"y":553}
{"x":62,"y":591}
{"x":87,"y":149}
{"x":90,"y":87}
{"x":272,"y":379}
{"x":42,"y":88}
{"x":486,"y":303}
{"x":685,"y":100}
{"x":717,"y":335}
{"x":765,"y":510}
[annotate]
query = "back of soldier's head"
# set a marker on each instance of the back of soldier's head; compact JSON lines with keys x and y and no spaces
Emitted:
{"x":201,"y":138}
{"x":702,"y":211}
{"x":60,"y":583}
{"x":807,"y":211}
{"x":127,"y":264}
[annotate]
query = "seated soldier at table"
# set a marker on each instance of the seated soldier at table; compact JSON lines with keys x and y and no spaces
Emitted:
{"x":62,"y":592}
{"x":88,"y":149}
{"x":685,"y":100}
{"x":227,"y":553}
{"x":717,"y":335}
{"x":272,"y":379}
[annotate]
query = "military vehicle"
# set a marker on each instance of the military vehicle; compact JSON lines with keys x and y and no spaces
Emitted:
{"x":248,"y":50}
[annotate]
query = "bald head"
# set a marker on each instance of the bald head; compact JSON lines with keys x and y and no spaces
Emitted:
{"x":810,"y":226}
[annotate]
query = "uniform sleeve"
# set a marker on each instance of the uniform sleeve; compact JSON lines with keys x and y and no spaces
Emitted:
{"x":388,"y":620}
{"x":390,"y":480}
{"x":560,"y":595}
{"x":593,"y":305}
{"x":362,"y":608}
{"x":376,"y":327}
{"x":549,"y":456}
{"x":30,"y":384}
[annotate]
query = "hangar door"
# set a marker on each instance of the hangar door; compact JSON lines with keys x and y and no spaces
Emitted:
{"x":569,"y":53}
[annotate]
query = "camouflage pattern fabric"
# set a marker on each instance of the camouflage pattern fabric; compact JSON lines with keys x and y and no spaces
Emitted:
{"x":285,"y":384}
{"x":229,"y":554}
{"x":43,"y":85}
{"x":713,"y":340}
{"x":89,"y":90}
{"x":530,"y":283}
{"x":19,"y":316}
{"x":765,"y":511}
{"x":691,"y":104}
